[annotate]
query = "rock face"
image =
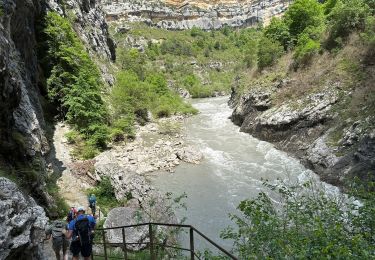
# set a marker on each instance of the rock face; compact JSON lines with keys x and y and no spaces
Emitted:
{"x":180,"y":15}
{"x":302,"y":128}
{"x":22,"y":224}
{"x":91,"y":27}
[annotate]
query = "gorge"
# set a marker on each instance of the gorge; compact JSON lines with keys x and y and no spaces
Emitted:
{"x":120,"y":75}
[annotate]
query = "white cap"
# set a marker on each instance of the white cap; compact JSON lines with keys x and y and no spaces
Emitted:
{"x":81,"y":208}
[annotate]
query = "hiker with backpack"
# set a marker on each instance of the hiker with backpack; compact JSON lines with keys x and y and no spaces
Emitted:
{"x":72,"y":214}
{"x":81,"y":231}
{"x":92,"y":203}
{"x":56,"y":230}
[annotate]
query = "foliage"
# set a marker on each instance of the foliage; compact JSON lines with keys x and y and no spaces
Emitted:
{"x":308,"y":45}
{"x":176,"y":47}
{"x":73,"y":80}
{"x":307,"y":223}
{"x":133,"y":60}
{"x":268,"y":52}
{"x":302,"y":14}
{"x":345,"y":17}
{"x":105,"y":195}
{"x":278,"y":30}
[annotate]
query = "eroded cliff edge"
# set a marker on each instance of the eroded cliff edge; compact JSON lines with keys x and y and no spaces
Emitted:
{"x":322,"y":115}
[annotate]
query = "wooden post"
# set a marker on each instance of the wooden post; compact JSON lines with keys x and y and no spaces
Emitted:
{"x":152,"y":251}
{"x":124,"y":244}
{"x":192,"y":255}
{"x":105,"y":246}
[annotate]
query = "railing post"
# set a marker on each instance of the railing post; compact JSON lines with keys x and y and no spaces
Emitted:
{"x":105,"y":246}
{"x":152,"y":250}
{"x":192,"y":253}
{"x":124,"y":244}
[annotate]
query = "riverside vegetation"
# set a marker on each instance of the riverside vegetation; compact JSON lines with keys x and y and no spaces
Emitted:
{"x":207,"y":63}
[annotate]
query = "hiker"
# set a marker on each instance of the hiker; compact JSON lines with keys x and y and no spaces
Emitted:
{"x":92,"y":204}
{"x":81,"y":231}
{"x":59,"y":241}
{"x":72,"y":214}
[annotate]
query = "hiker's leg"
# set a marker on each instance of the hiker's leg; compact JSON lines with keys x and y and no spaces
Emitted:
{"x":57,"y":253}
{"x":75,"y":248}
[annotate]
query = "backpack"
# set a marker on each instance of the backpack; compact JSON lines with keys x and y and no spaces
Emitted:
{"x":83,"y":231}
{"x":92,"y":201}
{"x":57,"y":233}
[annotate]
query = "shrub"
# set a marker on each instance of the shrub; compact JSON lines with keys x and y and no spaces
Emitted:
{"x":345,"y":17}
{"x":268,"y":52}
{"x":133,"y":60}
{"x":306,"y":48}
{"x":308,"y":45}
{"x":195,"y":31}
{"x":302,"y":14}
{"x":98,"y":135}
{"x":176,"y":47}
{"x":73,"y":137}
{"x":278,"y":30}
{"x":307,"y":223}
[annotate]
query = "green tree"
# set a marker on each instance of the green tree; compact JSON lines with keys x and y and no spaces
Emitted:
{"x":73,"y":80}
{"x":278,"y":30}
{"x":302,"y":14}
{"x":268,"y":52}
{"x":344,"y":18}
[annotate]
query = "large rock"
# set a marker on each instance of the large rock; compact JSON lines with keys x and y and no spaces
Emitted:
{"x":22,"y":224}
{"x":125,"y":183}
{"x":118,"y":217}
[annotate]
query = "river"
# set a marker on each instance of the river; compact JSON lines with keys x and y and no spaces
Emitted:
{"x":234,"y":167}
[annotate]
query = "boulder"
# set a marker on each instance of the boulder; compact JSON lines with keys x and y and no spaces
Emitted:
{"x":118,"y":217}
{"x":190,"y":154}
{"x":22,"y":224}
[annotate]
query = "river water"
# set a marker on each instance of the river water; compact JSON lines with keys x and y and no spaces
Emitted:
{"x":234,"y":167}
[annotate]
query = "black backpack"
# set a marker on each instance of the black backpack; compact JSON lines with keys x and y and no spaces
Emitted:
{"x":83,"y":231}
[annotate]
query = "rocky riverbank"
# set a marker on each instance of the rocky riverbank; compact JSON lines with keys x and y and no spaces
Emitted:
{"x":306,"y":128}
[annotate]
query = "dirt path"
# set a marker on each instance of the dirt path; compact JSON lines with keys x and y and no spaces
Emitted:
{"x":72,"y":189}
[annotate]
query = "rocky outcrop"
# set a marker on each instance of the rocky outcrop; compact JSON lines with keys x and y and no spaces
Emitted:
{"x":90,"y":25}
{"x":22,"y":224}
{"x":303,"y":128}
{"x":22,"y":122}
{"x":175,"y":15}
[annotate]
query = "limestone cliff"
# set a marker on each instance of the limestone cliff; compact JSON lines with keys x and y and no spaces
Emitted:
{"x":207,"y":15}
{"x":24,"y":132}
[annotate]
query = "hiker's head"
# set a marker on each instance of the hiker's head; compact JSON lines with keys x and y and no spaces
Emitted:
{"x":81,"y":210}
{"x":92,"y":195}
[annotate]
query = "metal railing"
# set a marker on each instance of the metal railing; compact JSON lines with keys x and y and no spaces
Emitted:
{"x":151,"y":245}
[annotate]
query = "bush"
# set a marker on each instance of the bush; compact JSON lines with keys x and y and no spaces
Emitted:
{"x":98,"y":135}
{"x":133,"y":60}
{"x":278,"y":30}
{"x":345,"y":17}
{"x":302,"y":14}
{"x":306,"y":224}
{"x":306,"y":48}
{"x":308,"y":45}
{"x":176,"y":47}
{"x":268,"y":52}
{"x":195,"y":31}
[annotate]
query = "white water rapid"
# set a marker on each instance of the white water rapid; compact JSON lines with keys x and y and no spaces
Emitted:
{"x":234,"y":167}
